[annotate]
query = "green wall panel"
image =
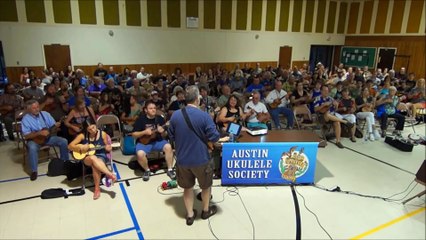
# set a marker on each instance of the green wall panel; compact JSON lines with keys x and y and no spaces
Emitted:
{"x":284,"y":11}
{"x":320,"y":16}
{"x":309,"y":15}
{"x":154,"y":13}
{"x":209,"y":14}
{"x":111,"y":12}
{"x":87,"y":11}
{"x":225,"y":14}
{"x":331,"y":17}
{"x":8,"y":11}
{"x":192,"y":8}
{"x":256,"y":15}
{"x":342,"y":17}
{"x":242,"y":6}
{"x":35,"y":11}
{"x":133,"y":13}
{"x":173,"y":13}
{"x":62,"y":11}
{"x":271,"y":8}
{"x":297,"y":16}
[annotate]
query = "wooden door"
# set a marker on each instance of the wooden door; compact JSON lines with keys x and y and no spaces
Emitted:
{"x":57,"y":56}
{"x":285,"y":57}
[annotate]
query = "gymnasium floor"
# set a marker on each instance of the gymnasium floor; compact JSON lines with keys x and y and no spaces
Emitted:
{"x":141,"y":210}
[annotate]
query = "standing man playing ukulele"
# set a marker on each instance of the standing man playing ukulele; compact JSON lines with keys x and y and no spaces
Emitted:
{"x":145,"y":131}
{"x":36,"y":129}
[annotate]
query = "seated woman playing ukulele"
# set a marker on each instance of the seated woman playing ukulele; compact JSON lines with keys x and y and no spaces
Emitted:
{"x":79,"y":115}
{"x":97,"y":160}
{"x":231,"y":112}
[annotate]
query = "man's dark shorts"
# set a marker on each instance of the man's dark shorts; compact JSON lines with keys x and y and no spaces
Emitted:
{"x":186,"y":176}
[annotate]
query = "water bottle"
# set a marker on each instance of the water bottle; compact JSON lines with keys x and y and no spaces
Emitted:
{"x":231,"y":137}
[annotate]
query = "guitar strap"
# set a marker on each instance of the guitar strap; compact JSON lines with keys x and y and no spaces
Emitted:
{"x":188,"y":122}
{"x":44,"y":120}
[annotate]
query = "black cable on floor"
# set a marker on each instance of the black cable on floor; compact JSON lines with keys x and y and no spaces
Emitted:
{"x":122,"y":163}
{"x":233,"y":191}
{"x":316,"y":217}
{"x":387,"y":199}
{"x":297,"y":210}
{"x":20,"y":199}
{"x":376,"y":159}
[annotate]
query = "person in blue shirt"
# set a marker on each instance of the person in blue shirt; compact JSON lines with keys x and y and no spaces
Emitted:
{"x":193,"y":160}
{"x":325,"y":106}
{"x":36,"y":127}
{"x":254,"y":86}
{"x":78,"y":93}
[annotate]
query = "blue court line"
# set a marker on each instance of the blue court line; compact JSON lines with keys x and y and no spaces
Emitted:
{"x":111,"y":233}
{"x":129,"y":206}
{"x":17,"y":179}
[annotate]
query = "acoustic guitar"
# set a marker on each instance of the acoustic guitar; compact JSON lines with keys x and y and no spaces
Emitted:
{"x":262,"y":117}
{"x":80,"y":155}
{"x":276,"y":102}
{"x":145,"y":139}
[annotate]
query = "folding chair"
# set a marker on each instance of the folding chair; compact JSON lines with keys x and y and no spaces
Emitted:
{"x":17,"y":125}
{"x":112,"y":121}
{"x":109,"y":165}
{"x":45,"y":148}
{"x":303,"y":110}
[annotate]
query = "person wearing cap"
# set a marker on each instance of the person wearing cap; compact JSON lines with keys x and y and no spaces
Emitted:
{"x":159,"y":103}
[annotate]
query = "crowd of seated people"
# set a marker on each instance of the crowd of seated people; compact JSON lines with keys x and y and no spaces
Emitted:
{"x":254,"y":97}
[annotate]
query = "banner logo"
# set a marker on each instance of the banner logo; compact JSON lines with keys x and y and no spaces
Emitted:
{"x":293,"y":164}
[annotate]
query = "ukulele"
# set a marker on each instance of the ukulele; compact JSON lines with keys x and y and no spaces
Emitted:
{"x":145,"y":139}
{"x":262,"y":117}
{"x":41,"y":140}
{"x":80,"y":155}
{"x":71,"y":130}
{"x":236,"y":120}
{"x":276,"y":102}
{"x":367,"y":108}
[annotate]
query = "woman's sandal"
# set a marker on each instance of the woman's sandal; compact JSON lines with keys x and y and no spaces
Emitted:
{"x":96,"y":194}
{"x":190,"y":220}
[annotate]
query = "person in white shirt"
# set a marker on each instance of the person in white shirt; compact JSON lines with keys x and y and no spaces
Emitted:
{"x":257,"y":112}
{"x":142,"y":75}
{"x":278,"y":99}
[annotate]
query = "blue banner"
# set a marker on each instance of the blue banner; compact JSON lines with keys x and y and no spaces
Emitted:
{"x":269,"y":163}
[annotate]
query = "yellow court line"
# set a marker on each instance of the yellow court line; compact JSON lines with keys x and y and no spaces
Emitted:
{"x":376,"y":229}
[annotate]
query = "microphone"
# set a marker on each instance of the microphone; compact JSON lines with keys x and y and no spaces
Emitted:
{"x":169,"y":185}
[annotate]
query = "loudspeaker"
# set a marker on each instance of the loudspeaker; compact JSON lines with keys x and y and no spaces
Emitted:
{"x":421,"y":174}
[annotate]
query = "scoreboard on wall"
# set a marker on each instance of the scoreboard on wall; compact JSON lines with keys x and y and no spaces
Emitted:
{"x":358,"y":56}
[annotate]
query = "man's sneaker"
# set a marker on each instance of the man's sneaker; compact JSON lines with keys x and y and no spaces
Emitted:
{"x":145,"y":176}
{"x":373,"y":137}
{"x":212,"y":211}
{"x":339,"y":145}
{"x":171,"y":174}
{"x":376,"y":134}
{"x":397,"y":133}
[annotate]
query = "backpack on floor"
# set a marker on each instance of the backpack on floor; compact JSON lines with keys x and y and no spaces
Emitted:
{"x":129,"y":145}
{"x":55,"y":167}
